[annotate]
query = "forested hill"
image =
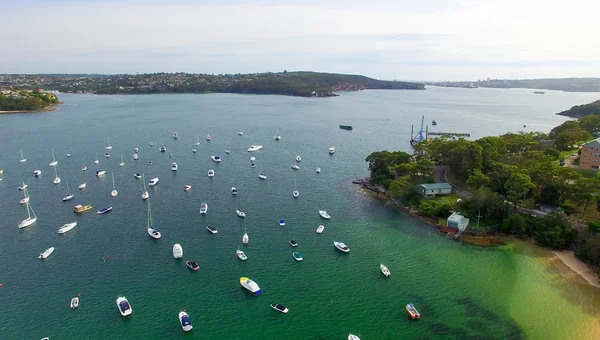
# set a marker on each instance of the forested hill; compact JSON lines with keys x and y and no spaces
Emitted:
{"x":579,"y":111}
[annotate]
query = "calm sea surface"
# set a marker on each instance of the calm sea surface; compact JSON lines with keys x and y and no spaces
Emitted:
{"x":462,"y":292}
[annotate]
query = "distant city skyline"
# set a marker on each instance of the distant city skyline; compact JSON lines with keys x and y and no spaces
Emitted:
{"x":432,"y":40}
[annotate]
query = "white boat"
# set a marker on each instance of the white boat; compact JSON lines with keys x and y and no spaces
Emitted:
{"x":82,"y":186}
{"x":240,"y":133}
{"x":331,"y":150}
{"x":203,"y":208}
{"x":293,"y":243}
{"x":145,"y":193}
{"x":324,"y":214}
{"x":104,"y":210}
{"x":241,"y":255}
{"x":100,"y":173}
{"x":384,"y":270}
{"x":23,"y":159}
{"x":163,"y":149}
{"x":56,"y":178}
{"x":240,"y":213}
{"x":197,"y":140}
{"x":216,"y":159}
{"x":212,"y":230}
{"x":23,"y":186}
{"x":252,"y":159}
{"x":250,"y":286}
{"x":253,"y":148}
{"x":353,"y":337}
{"x":69,"y":194}
{"x":187,"y":187}
{"x":341,"y":246}
{"x":281,"y":222}
{"x":25,"y":198}
{"x":137,"y":176}
{"x":211,"y":173}
{"x":177,"y":251}
{"x":320,"y":229}
{"x":31,"y":217}
{"x":67,"y":227}
{"x":54,"y":161}
{"x":184,"y":318}
{"x":280,"y":308}
{"x":261,"y":175}
{"x":295,"y":193}
{"x":151,"y":143}
{"x":109,"y":147}
{"x":136,"y":150}
{"x":84,"y":167}
{"x":277,"y":136}
{"x":74,"y":303}
{"x":124,"y":307}
{"x":298,"y":158}
{"x":153,"y":181}
{"x":37,"y":173}
{"x":227,"y":151}
{"x":114,"y":191}
{"x":208,"y":138}
{"x":106,"y":155}
{"x":295,"y":167}
{"x":234,"y":191}
{"x":122,"y":164}
{"x":136,"y":157}
{"x":318,"y":170}
{"x":245,"y":238}
{"x":153,"y":232}
{"x":175,"y":135}
{"x":193,"y":148}
{"x":96,"y":161}
{"x":174,"y":166}
{"x":46,"y":253}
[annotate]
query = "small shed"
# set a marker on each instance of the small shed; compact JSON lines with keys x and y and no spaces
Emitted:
{"x":435,"y":189}
{"x":458,"y":221}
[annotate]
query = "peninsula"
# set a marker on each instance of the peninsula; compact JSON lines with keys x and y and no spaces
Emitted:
{"x":558,"y":84}
{"x":303,"y":84}
{"x":579,"y":111}
{"x":26,"y":100}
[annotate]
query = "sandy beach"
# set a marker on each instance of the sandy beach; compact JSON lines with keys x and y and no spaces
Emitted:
{"x":574,"y":264}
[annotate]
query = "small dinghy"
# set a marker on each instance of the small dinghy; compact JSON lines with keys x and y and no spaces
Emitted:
{"x":192,"y":265}
{"x":187,"y":187}
{"x":281,"y":222}
{"x":280,"y":308}
{"x":46,"y":253}
{"x":74,"y":303}
{"x":293,"y":243}
{"x":212,"y":230}
{"x":297,"y":256}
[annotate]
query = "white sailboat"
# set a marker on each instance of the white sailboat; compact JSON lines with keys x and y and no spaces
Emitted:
{"x":25,"y":196}
{"x":109,"y":147}
{"x":114,"y":191}
{"x":145,"y":194}
{"x":245,"y":238}
{"x":122,"y":164}
{"x":54,"y":161}
{"x":261,"y":175}
{"x":31,"y":217}
{"x":197,"y":139}
{"x":296,"y":193}
{"x":298,"y":158}
{"x":96,"y":161}
{"x":56,"y":178}
{"x":154,"y":233}
{"x":23,"y":159}
{"x":193,"y":147}
{"x":277,"y":136}
{"x":69,"y":194}
{"x":83,"y":184}
{"x":84,"y":168}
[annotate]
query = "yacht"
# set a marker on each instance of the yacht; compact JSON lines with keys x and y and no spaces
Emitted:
{"x":150,"y":143}
{"x":163,"y":149}
{"x":241,"y":255}
{"x":298,"y":158}
{"x":252,"y":159}
{"x":293,"y":243}
{"x":208,"y":138}
{"x":153,"y":232}
{"x":216,"y":159}
{"x":331,"y":150}
{"x":353,"y":337}
{"x":100,"y":173}
{"x":84,"y":167}
{"x":81,"y":208}
{"x":174,"y":166}
{"x":109,"y":147}
{"x":107,"y":155}
{"x":23,"y":159}
{"x":197,"y":140}
{"x":175,"y":135}
{"x":211,"y":230}
{"x":234,"y":191}
{"x":104,"y":210}
{"x":203,"y":208}
{"x":54,"y":161}
{"x":320,"y":229}
{"x":187,"y":187}
{"x":253,"y":148}
{"x":250,"y":286}
{"x":123,"y":305}
{"x":137,"y":176}
{"x":136,"y":157}
{"x":23,"y":187}
{"x":193,"y":147}
{"x":240,"y":213}
{"x":184,"y":318}
{"x":295,"y":167}
{"x":211,"y":173}
{"x":114,"y":191}
{"x":245,"y":238}
{"x":136,"y":150}
{"x":281,"y":222}
{"x":297,"y":256}
{"x":240,"y":133}
{"x":318,"y":170}
{"x":145,"y":193}
{"x":96,"y":161}
{"x":177,"y":251}
{"x":31,"y":217}
{"x":82,"y":185}
{"x":280,"y":308}
{"x":56,"y":178}
{"x":67,"y":227}
{"x":227,"y":151}
{"x":277,"y":136}
{"x":412,"y":311}
{"x":324,"y":214}
{"x":193,"y":265}
{"x":46,"y":253}
{"x":25,"y":198}
{"x":69,"y":194}
{"x":295,"y":193}
{"x":37,"y":173}
{"x":122,"y":164}
{"x":341,"y":246}
{"x":153,"y":181}
{"x":384,"y":270}
{"x":74,"y":303}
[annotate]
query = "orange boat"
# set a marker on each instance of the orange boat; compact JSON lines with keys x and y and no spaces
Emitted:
{"x":412,"y":311}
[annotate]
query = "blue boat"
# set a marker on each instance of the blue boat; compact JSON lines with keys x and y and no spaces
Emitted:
{"x":104,"y":210}
{"x":282,"y":222}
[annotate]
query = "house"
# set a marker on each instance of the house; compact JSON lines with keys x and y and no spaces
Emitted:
{"x":435,"y":189}
{"x":458,"y":221}
{"x":590,"y":155}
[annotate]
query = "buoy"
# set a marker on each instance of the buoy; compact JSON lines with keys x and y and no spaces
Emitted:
{"x":185,"y":310}
{"x":78,"y":294}
{"x":0,"y":284}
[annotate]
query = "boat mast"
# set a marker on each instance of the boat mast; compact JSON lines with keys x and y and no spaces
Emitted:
{"x":68,"y":191}
{"x":29,"y":208}
{"x":149,"y":216}
{"x":53,"y":156}
{"x":113,"y":179}
{"x":21,"y":153}
{"x":144,"y":182}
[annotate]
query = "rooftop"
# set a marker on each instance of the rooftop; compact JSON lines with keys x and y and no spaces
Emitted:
{"x":593,"y":144}
{"x":436,"y":186}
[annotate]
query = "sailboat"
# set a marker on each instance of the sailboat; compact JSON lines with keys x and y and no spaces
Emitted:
{"x":154,"y":233}
{"x":122,"y":164}
{"x":83,"y":184}
{"x":109,"y":147}
{"x":23,"y":159}
{"x":296,"y":193}
{"x":245,"y":238}
{"x":25,"y":196}
{"x":163,"y":148}
{"x":96,"y":161}
{"x":193,"y":147}
{"x":31,"y":218}
{"x":261,"y":175}
{"x":54,"y":161}
{"x":84,"y":168}
{"x":56,"y":178}
{"x":69,"y":194}
{"x":298,"y":158}
{"x":114,"y":191}
{"x":145,"y":194}
{"x":197,"y":139}
{"x":277,"y":136}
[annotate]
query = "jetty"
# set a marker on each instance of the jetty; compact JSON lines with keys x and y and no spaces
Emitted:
{"x":450,"y":134}
{"x":423,"y":134}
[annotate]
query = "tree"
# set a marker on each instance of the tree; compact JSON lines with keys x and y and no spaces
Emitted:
{"x":566,"y":139}
{"x":517,"y":186}
{"x":518,"y":225}
{"x":590,"y":123}
{"x":568,"y":125}
{"x":554,"y":231}
{"x":478,"y":180}
{"x":583,"y":191}
{"x":398,"y":188}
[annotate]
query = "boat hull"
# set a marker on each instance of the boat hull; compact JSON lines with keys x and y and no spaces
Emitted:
{"x":177,"y":251}
{"x":124,"y":306}
{"x":186,"y":323}
{"x":67,"y":227}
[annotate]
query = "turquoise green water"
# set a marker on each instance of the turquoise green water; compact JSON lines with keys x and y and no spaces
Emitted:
{"x":462,"y":291}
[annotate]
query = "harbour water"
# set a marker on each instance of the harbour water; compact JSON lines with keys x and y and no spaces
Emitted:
{"x":511,"y":292}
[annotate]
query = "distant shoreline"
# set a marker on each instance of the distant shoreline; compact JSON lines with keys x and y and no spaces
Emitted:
{"x":48,"y":109}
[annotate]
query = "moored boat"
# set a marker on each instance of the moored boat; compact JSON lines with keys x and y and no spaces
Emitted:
{"x":81,"y":208}
{"x":240,"y":133}
{"x":346,"y":127}
{"x":253,"y":148}
{"x":104,"y":210}
{"x":175,"y":135}
{"x":184,"y":318}
{"x":352,"y":336}
{"x":216,"y":159}
{"x":241,"y":255}
{"x":280,"y":308}
{"x":67,"y":227}
{"x":324,"y":214}
{"x":331,"y":150}
{"x":153,"y":232}
{"x":100,"y":173}
{"x":240,"y":213}
{"x":46,"y":253}
{"x":212,"y":230}
{"x":227,"y":151}
{"x":318,"y":170}
{"x":384,"y":270}
{"x":74,"y":303}
{"x":295,"y":167}
{"x":250,"y":286}
{"x":211,"y":173}
{"x":37,"y":173}
{"x":153,"y":181}
{"x":174,"y":166}
{"x":281,"y":222}
{"x":234,"y":191}
{"x":203,"y":208}
{"x":187,"y":187}
{"x":341,"y":246}
{"x":262,"y":176}
{"x":31,"y":217}
{"x":208,"y":138}
{"x":320,"y":229}
{"x":177,"y":251}
{"x":124,"y":306}
{"x":297,"y":256}
{"x":293,"y":243}
{"x":137,"y":176}
{"x":192,"y":265}
{"x":412,"y":311}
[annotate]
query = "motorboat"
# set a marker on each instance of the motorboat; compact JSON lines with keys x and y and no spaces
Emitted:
{"x":23,"y":187}
{"x":297,"y":256}
{"x":192,"y":265}
{"x":412,"y":311}
{"x":69,"y":194}
{"x":54,"y":161}
{"x":175,"y":135}
{"x":341,"y":246}
{"x":384,"y":270}
{"x":320,"y":229}
{"x":81,"y":208}
{"x":252,"y":165}
{"x":46,"y":253}
{"x":250,"y":286}
{"x":104,"y":210}
{"x":109,"y":147}
{"x":252,"y":159}
{"x":240,"y":133}
{"x":153,"y":181}
{"x":241,"y":255}
{"x":68,"y":155}
{"x":74,"y":303}
{"x":163,"y":149}
{"x":23,"y":159}
{"x":227,"y":151}
{"x":352,"y":336}
{"x":174,"y":166}
{"x":324,"y":214}
{"x":253,"y":148}
{"x":208,"y":138}
{"x":184,"y":318}
{"x":31,"y":217}
{"x":145,"y":193}
{"x":82,"y":185}
{"x":318,"y":170}
{"x":194,"y":150}
{"x":56,"y":178}
{"x":277,"y":137}
{"x":346,"y":127}
{"x":67,"y":227}
{"x":234,"y":191}
{"x":331,"y":150}
{"x":280,"y":308}
{"x":295,"y":167}
{"x":152,"y":231}
{"x":293,"y":243}
{"x":136,"y":157}
{"x":137,"y":176}
{"x":150,"y":143}
{"x":298,"y":158}
{"x":124,"y":306}
{"x":114,"y":191}
{"x":100,"y":173}
{"x":203,"y":208}
{"x":187,"y":187}
{"x":281,"y":222}
{"x":296,"y":193}
{"x":136,"y":150}
{"x":107,"y":155}
{"x":216,"y":159}
{"x":177,"y":251}
{"x":211,"y":230}
{"x":240,"y":213}
{"x":211,"y":173}
{"x":261,"y":176}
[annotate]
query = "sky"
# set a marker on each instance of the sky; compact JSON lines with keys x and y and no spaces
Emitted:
{"x":424,"y":40}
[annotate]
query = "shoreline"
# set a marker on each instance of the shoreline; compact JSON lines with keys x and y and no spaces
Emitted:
{"x":575,"y":265}
{"x":48,"y":109}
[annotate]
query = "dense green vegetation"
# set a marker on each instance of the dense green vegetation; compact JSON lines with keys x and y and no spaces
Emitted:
{"x":582,"y":110}
{"x":24,"y":101}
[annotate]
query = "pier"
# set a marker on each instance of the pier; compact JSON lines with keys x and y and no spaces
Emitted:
{"x":450,"y":134}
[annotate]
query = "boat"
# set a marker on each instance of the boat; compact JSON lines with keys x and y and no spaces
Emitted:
{"x":69,"y":194}
{"x":352,"y":336}
{"x":163,"y":149}
{"x":212,"y":230}
{"x":203,"y":208}
{"x":245,"y":238}
{"x":240,"y":133}
{"x":124,"y":306}
{"x":250,"y":286}
{"x":293,"y":243}
{"x":84,"y":167}
{"x":175,"y":135}
{"x":412,"y":311}
{"x":298,"y":158}
{"x":96,"y":161}
{"x":192,"y":265}
{"x":81,"y":208}
{"x":74,"y":303}
{"x":46,"y":253}
{"x":324,"y":214}
{"x":145,"y":193}
{"x":252,"y":165}
{"x":150,"y":143}
{"x":277,"y":136}
{"x":114,"y":191}
{"x":341,"y":246}
{"x":153,"y":181}
{"x":25,"y":198}
{"x":82,"y":185}
{"x":100,"y":173}
{"x":295,"y":167}
{"x":240,"y":213}
{"x":104,"y":210}
{"x":295,"y":193}
{"x":177,"y":251}
{"x":137,"y":176}
{"x":54,"y":161}
{"x":193,"y":148}
{"x":184,"y":318}
{"x":384,"y":270}
{"x":318,"y":170}
{"x":68,"y":155}
{"x":187,"y":187}
{"x":56,"y":178}
{"x":208,"y":138}
{"x":216,"y":159}
{"x":241,"y":255}
{"x":253,"y":148}
{"x":433,"y":122}
{"x":153,"y":232}
{"x":281,"y":222}
{"x":136,"y":150}
{"x":297,"y":256}
{"x":539,"y":92}
{"x":37,"y":173}
{"x":67,"y":227}
{"x":23,"y":186}
{"x":136,"y":157}
{"x":211,"y":173}
{"x":1,"y":171}
{"x":320,"y":229}
{"x":280,"y":308}
{"x":227,"y":151}
{"x":31,"y":217}
{"x":261,"y":175}
{"x":109,"y":147}
{"x":197,"y":139}
{"x":331,"y":150}
{"x":174,"y":166}
{"x":252,"y":159}
{"x":234,"y":191}
{"x":346,"y":127}
{"x":106,"y":155}
{"x":23,"y":159}
{"x":122,"y":164}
